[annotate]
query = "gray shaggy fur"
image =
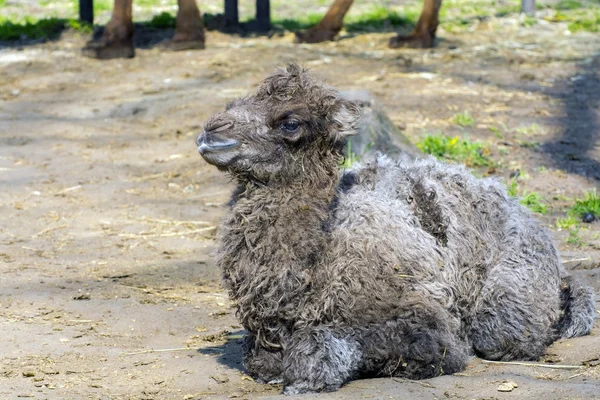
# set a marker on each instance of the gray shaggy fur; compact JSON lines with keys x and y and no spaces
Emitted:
{"x":394,"y":268}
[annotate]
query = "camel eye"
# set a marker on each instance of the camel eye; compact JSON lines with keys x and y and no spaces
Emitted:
{"x":290,"y":126}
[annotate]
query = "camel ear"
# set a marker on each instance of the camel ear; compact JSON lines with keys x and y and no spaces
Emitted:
{"x":346,"y":117}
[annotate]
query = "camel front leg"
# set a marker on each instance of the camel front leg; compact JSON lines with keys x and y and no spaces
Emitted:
{"x":320,"y":359}
{"x":117,"y":39}
{"x":264,"y":366}
{"x":330,"y":25}
{"x":423,"y":36}
{"x":419,"y":344}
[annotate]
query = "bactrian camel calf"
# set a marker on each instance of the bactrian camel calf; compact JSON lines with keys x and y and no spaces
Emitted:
{"x":392,"y":268}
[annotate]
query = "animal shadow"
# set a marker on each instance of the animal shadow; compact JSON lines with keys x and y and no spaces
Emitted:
{"x":229,"y":353}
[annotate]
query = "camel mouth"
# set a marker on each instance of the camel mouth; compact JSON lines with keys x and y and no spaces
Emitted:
{"x":214,"y":143}
{"x":217,"y":150}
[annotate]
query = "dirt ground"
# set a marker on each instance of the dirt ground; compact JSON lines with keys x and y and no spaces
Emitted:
{"x":108,"y":289}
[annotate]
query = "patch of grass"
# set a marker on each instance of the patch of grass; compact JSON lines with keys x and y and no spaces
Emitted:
{"x":589,"y":204}
{"x":472,"y":154}
{"x":375,"y":19}
{"x":531,"y":200}
{"x":80,"y":26}
{"x":567,"y":5}
{"x":589,"y":22}
{"x":527,"y":145}
{"x":529,"y":21}
{"x":99,"y":5}
{"x":379,"y":18}
{"x":579,"y":16}
{"x":496,"y":131}
{"x":47,"y":28}
{"x":513,"y":188}
{"x":464,"y":119}
{"x":567,"y":223}
{"x":164,"y":20}
{"x":509,"y":9}
{"x":149,"y":3}
{"x":301,"y":23}
{"x":534,"y":202}
{"x":574,"y":238}
{"x":456,"y":25}
{"x":350,"y":158}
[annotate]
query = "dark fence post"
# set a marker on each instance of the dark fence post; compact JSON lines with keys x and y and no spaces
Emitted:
{"x":86,"y":11}
{"x":528,"y":7}
{"x":232,"y":17}
{"x":263,"y":15}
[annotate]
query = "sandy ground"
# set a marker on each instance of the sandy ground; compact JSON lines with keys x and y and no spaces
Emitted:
{"x":108,"y":289}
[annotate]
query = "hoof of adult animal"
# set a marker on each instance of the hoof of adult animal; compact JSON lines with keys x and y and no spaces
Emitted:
{"x":411,"y":41}
{"x":107,"y":51}
{"x":315,"y":36}
{"x":183,"y":45}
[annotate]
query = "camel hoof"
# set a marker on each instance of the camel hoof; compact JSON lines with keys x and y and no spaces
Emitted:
{"x":315,"y":36}
{"x":107,"y":51}
{"x":411,"y":41}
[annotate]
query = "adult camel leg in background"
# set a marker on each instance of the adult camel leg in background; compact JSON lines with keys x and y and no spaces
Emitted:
{"x":422,"y":36}
{"x":189,"y":29}
{"x":330,"y":25}
{"x":117,"y":39}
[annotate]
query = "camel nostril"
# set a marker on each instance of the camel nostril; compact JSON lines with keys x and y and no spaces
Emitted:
{"x":218,"y":126}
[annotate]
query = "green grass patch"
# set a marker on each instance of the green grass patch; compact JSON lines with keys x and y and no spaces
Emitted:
{"x":79,"y":26}
{"x":574,"y":238}
{"x":300,"y":23}
{"x":47,"y":28}
{"x":458,"y":15}
{"x":590,"y":203}
{"x":164,"y":20}
{"x":528,"y":21}
{"x":380,"y":18}
{"x":496,"y":131}
{"x":146,"y":3}
{"x":351,"y":158}
{"x":99,"y":5}
{"x":464,"y":119}
{"x":532,"y":200}
{"x":527,"y":145}
{"x":375,"y":19}
{"x":513,"y":188}
{"x":567,"y":5}
{"x":589,"y":22}
{"x":472,"y":154}
{"x":567,"y":223}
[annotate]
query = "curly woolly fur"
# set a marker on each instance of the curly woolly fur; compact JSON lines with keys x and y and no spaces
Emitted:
{"x":393,"y":268}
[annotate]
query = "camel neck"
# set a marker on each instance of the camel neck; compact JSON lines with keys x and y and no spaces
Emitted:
{"x":271,"y":225}
{"x":271,"y":240}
